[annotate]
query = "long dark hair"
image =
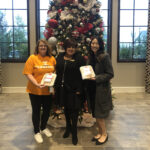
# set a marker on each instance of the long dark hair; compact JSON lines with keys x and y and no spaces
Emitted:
{"x":92,"y":57}
{"x":101,"y":45}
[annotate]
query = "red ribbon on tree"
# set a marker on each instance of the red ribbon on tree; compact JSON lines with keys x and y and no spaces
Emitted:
{"x":85,"y":29}
{"x":53,"y":23}
{"x":64,"y":2}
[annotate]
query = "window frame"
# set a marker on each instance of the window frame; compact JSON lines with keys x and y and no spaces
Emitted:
{"x":13,"y":60}
{"x":109,"y":24}
{"x":132,"y":60}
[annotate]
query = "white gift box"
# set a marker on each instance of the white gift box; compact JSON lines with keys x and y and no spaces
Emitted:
{"x":48,"y":79}
{"x":87,"y":72}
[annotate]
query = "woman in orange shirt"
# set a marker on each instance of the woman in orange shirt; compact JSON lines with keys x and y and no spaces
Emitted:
{"x":36,"y":66}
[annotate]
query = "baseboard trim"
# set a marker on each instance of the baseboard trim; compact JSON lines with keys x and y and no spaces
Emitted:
{"x":13,"y":89}
{"x":128,"y":89}
{"x":115,"y":89}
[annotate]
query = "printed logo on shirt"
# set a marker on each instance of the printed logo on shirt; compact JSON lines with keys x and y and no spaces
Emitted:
{"x":44,"y":66}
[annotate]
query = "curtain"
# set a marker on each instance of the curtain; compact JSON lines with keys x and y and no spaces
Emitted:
{"x":147,"y":79}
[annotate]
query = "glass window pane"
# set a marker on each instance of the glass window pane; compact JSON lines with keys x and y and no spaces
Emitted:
{"x":126,"y":34}
{"x":104,"y":14}
{"x":104,"y":4}
{"x":126,"y":4}
{"x":141,"y":18}
{"x":105,"y":34}
{"x":43,"y":17}
{"x":140,"y":34}
{"x":41,"y":32}
{"x":18,"y":5}
{"x":141,"y":4}
{"x":6,"y":16}
{"x":140,"y":50}
{"x":20,"y":50}
{"x":20,"y":17}
{"x":125,"y":20}
{"x":20,"y":34}
{"x":6,"y":4}
{"x":6,"y":34}
{"x":44,"y":4}
{"x":6,"y":50}
{"x":125,"y":51}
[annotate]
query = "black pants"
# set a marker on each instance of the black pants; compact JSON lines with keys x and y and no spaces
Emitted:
{"x":91,"y":92}
{"x":38,"y":102}
{"x":71,"y":120}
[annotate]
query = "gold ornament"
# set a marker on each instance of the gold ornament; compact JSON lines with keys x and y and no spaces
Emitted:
{"x":84,"y":48}
{"x":94,"y":23}
{"x":60,"y":26}
{"x":85,"y":1}
{"x":53,"y":8}
{"x":66,"y":8}
{"x":74,"y":11}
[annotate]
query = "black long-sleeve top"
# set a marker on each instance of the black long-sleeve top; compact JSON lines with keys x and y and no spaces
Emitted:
{"x":73,"y":82}
{"x":72,"y":75}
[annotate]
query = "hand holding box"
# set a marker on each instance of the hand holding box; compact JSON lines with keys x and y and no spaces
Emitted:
{"x":87,"y":72}
{"x":48,"y":79}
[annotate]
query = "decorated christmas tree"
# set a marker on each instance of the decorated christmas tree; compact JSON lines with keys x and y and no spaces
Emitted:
{"x":78,"y":19}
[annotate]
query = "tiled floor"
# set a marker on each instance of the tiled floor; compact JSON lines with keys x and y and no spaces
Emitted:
{"x":128,"y":126}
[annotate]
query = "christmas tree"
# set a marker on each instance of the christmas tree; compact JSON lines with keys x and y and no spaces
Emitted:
{"x":78,"y":19}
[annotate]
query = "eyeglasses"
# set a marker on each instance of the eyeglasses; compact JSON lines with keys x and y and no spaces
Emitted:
{"x":42,"y":45}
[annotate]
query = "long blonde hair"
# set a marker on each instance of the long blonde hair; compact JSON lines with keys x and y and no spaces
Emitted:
{"x":49,"y":50}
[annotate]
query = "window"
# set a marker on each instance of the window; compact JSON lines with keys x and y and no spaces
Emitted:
{"x":106,"y":11}
{"x":14,"y":37}
{"x":42,"y":8}
{"x":132,"y":35}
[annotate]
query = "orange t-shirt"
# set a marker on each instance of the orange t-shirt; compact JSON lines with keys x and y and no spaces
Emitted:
{"x":38,"y":66}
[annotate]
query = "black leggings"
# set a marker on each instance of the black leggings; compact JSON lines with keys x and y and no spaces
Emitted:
{"x":71,"y":120}
{"x":38,"y":101}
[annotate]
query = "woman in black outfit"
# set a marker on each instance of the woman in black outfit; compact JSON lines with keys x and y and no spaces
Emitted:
{"x":99,"y":88}
{"x":68,"y":86}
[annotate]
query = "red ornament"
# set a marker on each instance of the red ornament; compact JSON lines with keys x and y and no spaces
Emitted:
{"x":101,"y":25}
{"x":53,"y":23}
{"x":59,"y":11}
{"x":102,"y":29}
{"x":89,"y":26}
{"x":48,"y":32}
